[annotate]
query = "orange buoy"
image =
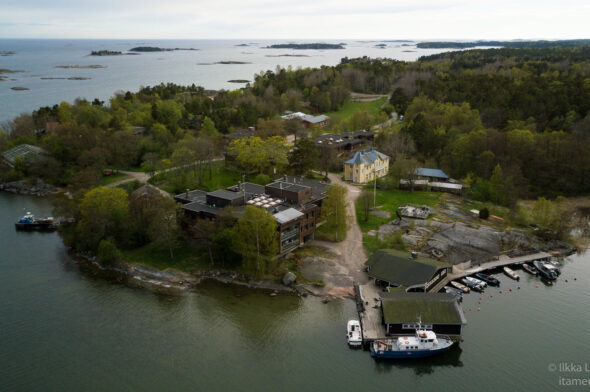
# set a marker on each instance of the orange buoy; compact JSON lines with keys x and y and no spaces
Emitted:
{"x":478,"y":309}
{"x":518,"y":287}
{"x":575,"y":278}
{"x":479,"y":303}
{"x":549,"y":283}
{"x":566,"y":281}
{"x":537,"y":286}
{"x":491,"y":296}
{"x":509,"y":289}
{"x":480,"y":298}
{"x":500,"y":291}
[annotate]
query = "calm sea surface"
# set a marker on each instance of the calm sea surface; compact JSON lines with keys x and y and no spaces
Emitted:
{"x":63,"y":330}
{"x":39,"y":58}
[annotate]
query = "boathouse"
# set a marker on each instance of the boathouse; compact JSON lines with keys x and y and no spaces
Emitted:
{"x":438,"y":312}
{"x":394,"y":268}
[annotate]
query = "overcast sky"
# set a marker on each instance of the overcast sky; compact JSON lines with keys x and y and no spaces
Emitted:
{"x":337,"y":19}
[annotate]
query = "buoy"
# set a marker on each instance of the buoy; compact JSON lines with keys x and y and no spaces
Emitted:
{"x":480,"y":298}
{"x":509,"y":289}
{"x":566,"y":281}
{"x":537,"y":286}
{"x":491,"y":296}
{"x":500,"y":291}
{"x":470,"y":309}
{"x":518,"y":287}
{"x":479,"y":303}
{"x":549,"y":283}
{"x":478,"y":309}
{"x":575,"y":278}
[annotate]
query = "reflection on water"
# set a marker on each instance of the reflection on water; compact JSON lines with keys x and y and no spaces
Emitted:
{"x":422,"y":366}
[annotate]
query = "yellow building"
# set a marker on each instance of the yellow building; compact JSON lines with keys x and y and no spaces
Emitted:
{"x":365,"y":165}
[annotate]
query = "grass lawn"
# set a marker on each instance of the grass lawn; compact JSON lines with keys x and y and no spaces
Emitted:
{"x":106,"y":180}
{"x":185,"y":258}
{"x":221,"y":178}
{"x":328,"y":233}
{"x":349,"y":108}
{"x":389,"y":200}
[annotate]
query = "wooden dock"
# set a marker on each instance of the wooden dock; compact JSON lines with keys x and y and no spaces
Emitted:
{"x":370,"y":314}
{"x":501,"y":261}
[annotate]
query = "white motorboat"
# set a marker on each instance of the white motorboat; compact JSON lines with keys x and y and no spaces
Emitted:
{"x":353,"y":333}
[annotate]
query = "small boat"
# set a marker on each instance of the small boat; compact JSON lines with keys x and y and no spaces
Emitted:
{"x":423,"y":344}
{"x":472,"y":285}
{"x":28,"y":222}
{"x":510,"y":273}
{"x":456,"y":292}
{"x":353,"y":333}
{"x":530,"y":269}
{"x":459,"y":286}
{"x":476,"y":281}
{"x":488,"y":279}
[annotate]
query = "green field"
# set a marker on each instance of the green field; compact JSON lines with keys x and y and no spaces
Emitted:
{"x":350,"y":107}
{"x":185,"y":258}
{"x":176,"y":181}
{"x":389,"y":200}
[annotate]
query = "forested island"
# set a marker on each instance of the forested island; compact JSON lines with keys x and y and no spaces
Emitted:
{"x":156,"y":49}
{"x":513,"y":125}
{"x":306,"y":46}
{"x":504,"y":44}
{"x":105,"y":53}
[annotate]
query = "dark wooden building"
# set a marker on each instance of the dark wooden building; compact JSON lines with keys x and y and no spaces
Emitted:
{"x":438,"y":312}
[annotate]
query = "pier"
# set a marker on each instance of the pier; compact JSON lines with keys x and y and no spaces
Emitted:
{"x":501,"y":261}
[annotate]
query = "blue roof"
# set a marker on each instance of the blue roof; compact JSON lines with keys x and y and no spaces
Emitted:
{"x":425,"y":172}
{"x":366,"y":157}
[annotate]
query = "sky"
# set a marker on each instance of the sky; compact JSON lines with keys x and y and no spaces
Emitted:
{"x":305,"y":19}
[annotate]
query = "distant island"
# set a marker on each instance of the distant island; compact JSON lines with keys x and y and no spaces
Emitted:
{"x":7,"y":53}
{"x":156,"y":49}
{"x":95,"y":66}
{"x":16,"y":88}
{"x":105,"y":53}
{"x":287,"y":55}
{"x":238,"y":81}
{"x":382,"y":46}
{"x":506,"y":44}
{"x":226,"y":62}
{"x":242,"y":45}
{"x":305,"y":46}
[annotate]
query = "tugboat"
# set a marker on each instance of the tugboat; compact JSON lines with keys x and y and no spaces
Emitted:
{"x":28,"y":222}
{"x":353,"y":333}
{"x":488,"y":279}
{"x":423,"y":344}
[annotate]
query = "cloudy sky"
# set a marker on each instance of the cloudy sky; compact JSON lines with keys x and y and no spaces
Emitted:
{"x":356,"y":19}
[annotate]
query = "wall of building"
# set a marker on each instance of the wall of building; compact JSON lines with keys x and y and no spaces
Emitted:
{"x":361,"y":174}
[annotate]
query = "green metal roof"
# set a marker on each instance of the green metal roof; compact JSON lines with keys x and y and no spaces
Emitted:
{"x":432,"y":308}
{"x":399,"y":268}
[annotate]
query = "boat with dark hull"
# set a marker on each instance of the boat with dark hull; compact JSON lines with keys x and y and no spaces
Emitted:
{"x":29,"y":222}
{"x":545,"y":272}
{"x":488,"y":279}
{"x":423,"y":344}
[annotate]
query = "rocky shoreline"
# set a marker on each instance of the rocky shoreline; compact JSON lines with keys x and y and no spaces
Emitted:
{"x":174,"y":282}
{"x":35,"y":187}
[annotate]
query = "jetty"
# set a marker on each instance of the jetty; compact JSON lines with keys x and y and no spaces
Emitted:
{"x":501,"y":261}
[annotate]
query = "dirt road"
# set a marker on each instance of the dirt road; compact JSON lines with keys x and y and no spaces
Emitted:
{"x":346,"y":268}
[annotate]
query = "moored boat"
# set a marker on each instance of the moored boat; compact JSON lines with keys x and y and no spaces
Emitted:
{"x":423,"y":344}
{"x":510,"y":273}
{"x":456,"y":292}
{"x":530,"y":269}
{"x":353,"y":333}
{"x":544,"y":271}
{"x":472,"y":285}
{"x":488,"y":279}
{"x":460,"y":286}
{"x":28,"y":222}
{"x":476,"y":281}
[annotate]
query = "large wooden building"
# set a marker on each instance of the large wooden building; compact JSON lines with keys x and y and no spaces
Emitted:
{"x":364,"y":166}
{"x":294,"y":202}
{"x":438,"y":312}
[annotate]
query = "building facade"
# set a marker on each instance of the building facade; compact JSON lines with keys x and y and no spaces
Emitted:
{"x":365,"y":166}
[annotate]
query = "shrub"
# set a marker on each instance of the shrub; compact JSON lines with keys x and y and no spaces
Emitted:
{"x":484,"y":213}
{"x":261,"y":179}
{"x":108,"y":252}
